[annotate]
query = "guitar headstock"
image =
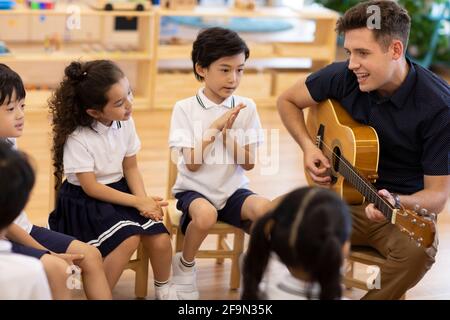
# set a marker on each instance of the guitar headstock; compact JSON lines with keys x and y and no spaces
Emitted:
{"x":418,"y":224}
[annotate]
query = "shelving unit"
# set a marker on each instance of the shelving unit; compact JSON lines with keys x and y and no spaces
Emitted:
{"x":274,"y":64}
{"x":160,"y":73}
{"x":28,"y":52}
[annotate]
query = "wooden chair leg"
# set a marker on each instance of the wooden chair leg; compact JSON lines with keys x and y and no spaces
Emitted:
{"x":141,"y":281}
{"x":349,"y":272}
{"x":220,"y":238}
{"x":238,"y":248}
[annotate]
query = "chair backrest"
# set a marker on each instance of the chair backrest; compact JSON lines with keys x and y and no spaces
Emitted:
{"x":173,"y":171}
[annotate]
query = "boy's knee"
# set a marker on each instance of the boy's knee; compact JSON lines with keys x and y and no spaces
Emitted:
{"x":205,"y":221}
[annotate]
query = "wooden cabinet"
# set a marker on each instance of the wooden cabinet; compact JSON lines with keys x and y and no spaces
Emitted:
{"x":43,"y":42}
{"x":160,"y":71}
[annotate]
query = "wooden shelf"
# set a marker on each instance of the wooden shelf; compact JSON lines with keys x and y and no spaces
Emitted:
{"x":73,"y":51}
{"x":290,"y":54}
{"x":279,"y":12}
{"x":65,"y":9}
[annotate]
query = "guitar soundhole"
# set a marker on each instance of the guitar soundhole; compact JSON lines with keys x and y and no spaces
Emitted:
{"x":335,"y":163}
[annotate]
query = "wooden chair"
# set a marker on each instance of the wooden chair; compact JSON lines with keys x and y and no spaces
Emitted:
{"x":364,"y":255}
{"x":224,"y":249}
{"x":139,"y":264}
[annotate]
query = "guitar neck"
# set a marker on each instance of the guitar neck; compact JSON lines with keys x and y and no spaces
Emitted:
{"x":360,"y":183}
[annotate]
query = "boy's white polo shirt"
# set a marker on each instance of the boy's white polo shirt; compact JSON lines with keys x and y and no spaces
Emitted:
{"x":101,"y":150}
{"x":21,"y":277}
{"x":218,"y":177}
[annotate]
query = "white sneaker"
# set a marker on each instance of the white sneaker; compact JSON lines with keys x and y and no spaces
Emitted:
{"x":185,"y":282}
{"x":166,"y":293}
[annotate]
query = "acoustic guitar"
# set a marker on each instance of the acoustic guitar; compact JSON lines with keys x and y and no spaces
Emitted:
{"x":353,"y":151}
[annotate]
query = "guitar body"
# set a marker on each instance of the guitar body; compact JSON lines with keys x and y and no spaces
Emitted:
{"x":346,"y":137}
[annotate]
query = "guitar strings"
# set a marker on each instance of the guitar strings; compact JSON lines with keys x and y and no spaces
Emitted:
{"x":344,"y":162}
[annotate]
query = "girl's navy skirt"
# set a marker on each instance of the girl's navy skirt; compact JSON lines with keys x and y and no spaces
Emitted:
{"x":101,"y":224}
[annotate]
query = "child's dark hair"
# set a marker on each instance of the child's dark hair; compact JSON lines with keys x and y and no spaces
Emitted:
{"x":10,"y":81}
{"x":84,"y":86}
{"x":306,"y":230}
{"x":17,"y":180}
{"x":215,"y":43}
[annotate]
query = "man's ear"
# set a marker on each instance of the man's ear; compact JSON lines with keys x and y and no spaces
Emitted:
{"x":397,"y":49}
{"x":200,"y":70}
{"x":93,"y":113}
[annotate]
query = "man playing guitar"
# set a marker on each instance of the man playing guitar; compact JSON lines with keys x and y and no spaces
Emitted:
{"x":408,"y":106}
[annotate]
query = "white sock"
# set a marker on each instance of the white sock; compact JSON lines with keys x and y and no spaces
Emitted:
{"x":186,"y":266}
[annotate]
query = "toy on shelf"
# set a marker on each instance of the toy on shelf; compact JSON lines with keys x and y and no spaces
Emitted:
{"x":179,"y":4}
{"x":41,"y":5}
{"x":4,"y":49}
{"x":244,"y":4}
{"x":7,"y":4}
{"x":52,"y":43}
{"x":109,"y":5}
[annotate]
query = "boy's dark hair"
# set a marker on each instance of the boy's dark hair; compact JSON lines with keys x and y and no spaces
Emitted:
{"x":10,"y":81}
{"x":395,"y":22}
{"x":83,"y":87}
{"x":17,"y":180}
{"x":306,"y":230}
{"x":214,"y":43}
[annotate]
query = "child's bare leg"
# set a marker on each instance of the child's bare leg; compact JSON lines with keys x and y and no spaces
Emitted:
{"x":159,"y":249}
{"x":115,"y":262}
{"x":204,"y":216}
{"x":94,"y":279}
{"x":254,"y":207}
{"x":57,"y":271}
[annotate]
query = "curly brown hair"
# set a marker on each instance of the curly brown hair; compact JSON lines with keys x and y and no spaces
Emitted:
{"x":84,"y":86}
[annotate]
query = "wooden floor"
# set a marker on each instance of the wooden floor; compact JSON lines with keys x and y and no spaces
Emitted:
{"x":270,"y":181}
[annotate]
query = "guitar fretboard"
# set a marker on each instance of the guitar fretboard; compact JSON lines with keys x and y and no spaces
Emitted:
{"x":360,"y":183}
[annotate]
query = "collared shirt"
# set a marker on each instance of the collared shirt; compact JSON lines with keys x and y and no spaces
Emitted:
{"x":21,"y":277}
{"x":100,"y":150}
{"x":219,"y":176}
{"x":412,"y":125}
{"x":279,"y":284}
{"x":22,"y":220}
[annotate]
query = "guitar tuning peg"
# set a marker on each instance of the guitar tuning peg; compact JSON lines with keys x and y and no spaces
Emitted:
{"x":423,"y":212}
{"x":433,"y":216}
{"x":416,"y":208}
{"x":418,"y":244}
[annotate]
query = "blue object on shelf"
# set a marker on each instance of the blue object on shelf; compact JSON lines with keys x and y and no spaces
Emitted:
{"x":7,"y":4}
{"x":3,"y":49}
{"x":237,"y":24}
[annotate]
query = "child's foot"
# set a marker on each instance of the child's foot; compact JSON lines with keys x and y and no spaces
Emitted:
{"x":167,"y":292}
{"x":184,"y":279}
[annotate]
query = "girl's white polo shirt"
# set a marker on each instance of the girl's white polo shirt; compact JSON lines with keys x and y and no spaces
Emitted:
{"x":101,"y":150}
{"x":219,"y":176}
